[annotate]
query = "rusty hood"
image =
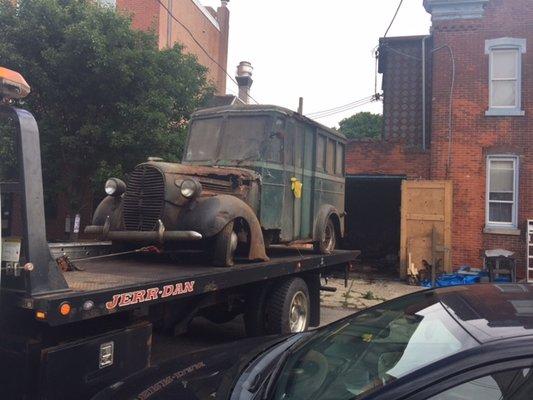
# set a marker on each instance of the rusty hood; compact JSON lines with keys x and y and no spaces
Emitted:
{"x":215,"y":172}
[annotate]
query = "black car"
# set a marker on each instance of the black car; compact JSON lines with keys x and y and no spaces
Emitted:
{"x":467,"y":342}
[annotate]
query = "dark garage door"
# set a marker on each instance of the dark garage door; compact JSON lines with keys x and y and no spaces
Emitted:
{"x":373,"y":205}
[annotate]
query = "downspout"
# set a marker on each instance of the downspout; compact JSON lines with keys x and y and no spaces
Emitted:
{"x":424,"y":85}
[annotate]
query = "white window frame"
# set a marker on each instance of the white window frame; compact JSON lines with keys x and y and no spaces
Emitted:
{"x":518,"y":45}
{"x":514,"y":222}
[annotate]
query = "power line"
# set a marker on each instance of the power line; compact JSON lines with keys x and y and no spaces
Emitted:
{"x":338,"y":112}
{"x":341,"y":110}
{"x":200,"y":45}
{"x":393,"y":18}
{"x":347,"y":108}
{"x":337,"y":107}
{"x":342,"y":107}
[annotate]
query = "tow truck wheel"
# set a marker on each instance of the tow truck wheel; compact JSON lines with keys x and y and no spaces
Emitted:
{"x":328,"y":240}
{"x":226,"y":242}
{"x":288,"y":307}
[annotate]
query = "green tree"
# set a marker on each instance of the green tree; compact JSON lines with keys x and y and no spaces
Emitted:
{"x":362,"y":125}
{"x":103,"y":94}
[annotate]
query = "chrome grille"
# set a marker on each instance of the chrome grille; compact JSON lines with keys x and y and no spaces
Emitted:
{"x":144,"y":199}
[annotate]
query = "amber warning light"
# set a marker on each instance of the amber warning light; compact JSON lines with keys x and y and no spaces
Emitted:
{"x":12,"y":84}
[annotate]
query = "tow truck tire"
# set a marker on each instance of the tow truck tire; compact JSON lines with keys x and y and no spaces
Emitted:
{"x":288,"y":308}
{"x":224,"y":246}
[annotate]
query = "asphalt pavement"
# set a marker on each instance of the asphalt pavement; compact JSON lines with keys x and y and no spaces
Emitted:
{"x":203,"y":334}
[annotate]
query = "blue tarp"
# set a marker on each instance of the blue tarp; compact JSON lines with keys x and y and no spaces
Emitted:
{"x":460,"y":278}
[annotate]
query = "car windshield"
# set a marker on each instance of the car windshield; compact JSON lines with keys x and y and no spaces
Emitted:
{"x":240,"y":138}
{"x":357,"y":356}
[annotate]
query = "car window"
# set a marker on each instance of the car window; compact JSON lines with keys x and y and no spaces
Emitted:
{"x":244,"y":139}
{"x":339,"y":159}
{"x":371,"y":349}
{"x":288,"y":143}
{"x":330,"y":157}
{"x":321,"y":153}
{"x":516,"y":384}
{"x":203,"y":139}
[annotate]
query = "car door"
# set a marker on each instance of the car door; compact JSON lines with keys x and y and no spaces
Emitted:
{"x":483,"y":376}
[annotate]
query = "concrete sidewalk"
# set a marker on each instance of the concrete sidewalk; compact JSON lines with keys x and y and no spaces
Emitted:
{"x":364,"y":292}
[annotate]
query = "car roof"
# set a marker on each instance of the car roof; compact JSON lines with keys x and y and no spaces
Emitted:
{"x":265,"y":108}
{"x":491,"y":311}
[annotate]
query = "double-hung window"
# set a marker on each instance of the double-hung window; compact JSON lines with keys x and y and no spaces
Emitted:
{"x":502,"y":191}
{"x":505,"y":80}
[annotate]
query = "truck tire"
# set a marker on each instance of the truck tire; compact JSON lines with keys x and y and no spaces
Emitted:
{"x":224,"y":247}
{"x":328,"y":239}
{"x":288,"y":308}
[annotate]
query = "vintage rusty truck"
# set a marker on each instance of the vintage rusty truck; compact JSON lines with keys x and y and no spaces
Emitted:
{"x":251,"y":176}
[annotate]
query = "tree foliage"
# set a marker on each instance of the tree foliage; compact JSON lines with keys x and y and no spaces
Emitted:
{"x":103,"y":94}
{"x":363,"y":125}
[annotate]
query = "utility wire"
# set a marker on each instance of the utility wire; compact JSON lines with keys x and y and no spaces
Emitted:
{"x":344,"y":109}
{"x":340,"y":110}
{"x":450,"y":106}
{"x":393,"y":18}
{"x":334,"y":109}
{"x":200,"y":45}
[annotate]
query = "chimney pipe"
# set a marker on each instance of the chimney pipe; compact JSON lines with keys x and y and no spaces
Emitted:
{"x":244,"y":79}
{"x":301,"y":106}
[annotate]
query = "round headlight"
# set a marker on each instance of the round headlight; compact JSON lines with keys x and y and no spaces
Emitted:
{"x":190,"y":188}
{"x":115,"y":187}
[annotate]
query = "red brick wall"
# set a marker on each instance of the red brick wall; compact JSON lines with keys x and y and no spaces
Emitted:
{"x":475,"y":135}
{"x":386,"y":158}
{"x":149,"y":15}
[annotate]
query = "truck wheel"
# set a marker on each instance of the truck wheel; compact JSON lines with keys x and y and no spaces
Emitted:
{"x":328,"y":239}
{"x":224,"y":247}
{"x":288,"y":307}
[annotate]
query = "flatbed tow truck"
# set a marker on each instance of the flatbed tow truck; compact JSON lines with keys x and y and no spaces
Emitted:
{"x":65,"y":333}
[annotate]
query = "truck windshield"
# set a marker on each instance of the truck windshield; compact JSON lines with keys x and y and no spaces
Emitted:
{"x":203,"y":139}
{"x":243,"y":138}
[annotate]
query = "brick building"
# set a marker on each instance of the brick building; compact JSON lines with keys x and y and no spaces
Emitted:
{"x":209,"y":27}
{"x":458,"y":106}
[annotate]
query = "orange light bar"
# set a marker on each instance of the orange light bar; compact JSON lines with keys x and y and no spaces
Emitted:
{"x":40,"y":315}
{"x":64,"y":309}
{"x":12,"y":84}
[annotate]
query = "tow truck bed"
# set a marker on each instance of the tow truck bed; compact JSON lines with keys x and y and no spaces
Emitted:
{"x":113,"y":285}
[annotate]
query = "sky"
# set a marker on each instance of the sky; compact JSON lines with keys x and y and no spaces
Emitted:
{"x":319,"y":50}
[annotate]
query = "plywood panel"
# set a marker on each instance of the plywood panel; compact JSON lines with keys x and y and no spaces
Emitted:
{"x":426,"y":225}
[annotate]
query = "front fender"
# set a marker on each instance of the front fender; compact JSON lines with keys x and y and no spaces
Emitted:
{"x":108,"y":207}
{"x":209,"y":215}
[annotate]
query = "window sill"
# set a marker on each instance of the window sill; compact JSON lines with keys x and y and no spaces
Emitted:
{"x":504,"y":112}
{"x":501,"y":230}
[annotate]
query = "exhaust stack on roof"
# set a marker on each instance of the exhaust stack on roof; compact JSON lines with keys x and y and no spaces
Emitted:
{"x":244,"y":79}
